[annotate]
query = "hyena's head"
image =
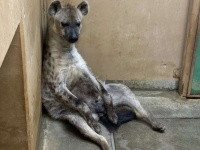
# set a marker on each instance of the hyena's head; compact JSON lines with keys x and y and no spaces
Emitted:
{"x":67,"y":19}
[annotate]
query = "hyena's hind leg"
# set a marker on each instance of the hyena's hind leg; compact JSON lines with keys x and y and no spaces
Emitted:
{"x":108,"y":102}
{"x":58,"y":111}
{"x":123,"y":96}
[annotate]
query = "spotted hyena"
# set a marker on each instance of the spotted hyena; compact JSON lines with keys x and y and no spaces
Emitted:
{"x":69,"y":89}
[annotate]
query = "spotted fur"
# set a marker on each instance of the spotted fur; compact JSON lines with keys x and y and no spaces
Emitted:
{"x":69,"y":89}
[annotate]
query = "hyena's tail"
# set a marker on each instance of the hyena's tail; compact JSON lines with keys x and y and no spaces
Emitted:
{"x":124,"y":116}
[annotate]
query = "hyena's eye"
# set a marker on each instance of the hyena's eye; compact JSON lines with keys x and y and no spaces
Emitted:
{"x":64,"y":24}
{"x":78,"y":24}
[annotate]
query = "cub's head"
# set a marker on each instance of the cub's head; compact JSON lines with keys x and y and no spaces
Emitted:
{"x":67,"y":19}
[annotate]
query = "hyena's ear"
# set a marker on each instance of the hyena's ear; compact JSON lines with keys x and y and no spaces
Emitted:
{"x":83,"y":7}
{"x":54,"y":7}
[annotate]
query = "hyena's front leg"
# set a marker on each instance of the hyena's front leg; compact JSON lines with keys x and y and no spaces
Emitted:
{"x":66,"y":97}
{"x":79,"y":106}
{"x":123,"y":96}
{"x":105,"y":96}
{"x":58,"y":111}
{"x":83,"y":127}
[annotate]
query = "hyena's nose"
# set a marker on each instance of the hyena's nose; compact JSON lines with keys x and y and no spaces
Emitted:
{"x":73,"y":39}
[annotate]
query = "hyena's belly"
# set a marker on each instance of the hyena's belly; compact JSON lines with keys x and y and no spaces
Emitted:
{"x":71,"y":75}
{"x":86,"y":91}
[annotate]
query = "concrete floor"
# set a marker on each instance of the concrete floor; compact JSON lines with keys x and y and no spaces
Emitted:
{"x":180,"y":116}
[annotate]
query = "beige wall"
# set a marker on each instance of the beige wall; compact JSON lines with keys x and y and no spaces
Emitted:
{"x":20,"y":73}
{"x":134,"y":40}
{"x":10,"y":17}
{"x":120,"y":40}
{"x":31,"y":32}
{"x":13,"y":129}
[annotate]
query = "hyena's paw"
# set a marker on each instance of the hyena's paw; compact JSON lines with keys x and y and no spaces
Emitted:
{"x":104,"y":144}
{"x":157,"y":126}
{"x":113,"y":117}
{"x":95,"y":126}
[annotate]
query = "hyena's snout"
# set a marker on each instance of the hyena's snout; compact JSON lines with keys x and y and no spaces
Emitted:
{"x":71,"y":36}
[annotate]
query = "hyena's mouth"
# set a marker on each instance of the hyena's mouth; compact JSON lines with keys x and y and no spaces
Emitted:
{"x":72,"y":40}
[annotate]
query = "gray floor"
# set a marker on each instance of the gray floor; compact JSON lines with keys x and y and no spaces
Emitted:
{"x":180,"y":116}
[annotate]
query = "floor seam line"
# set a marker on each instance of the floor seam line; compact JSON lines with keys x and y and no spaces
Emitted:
{"x":113,"y":141}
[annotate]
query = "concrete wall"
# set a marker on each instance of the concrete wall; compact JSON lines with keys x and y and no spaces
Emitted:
{"x":13,"y":133}
{"x":134,"y":40}
{"x":10,"y":18}
{"x":31,"y":31}
{"x":121,"y":40}
{"x":20,"y":73}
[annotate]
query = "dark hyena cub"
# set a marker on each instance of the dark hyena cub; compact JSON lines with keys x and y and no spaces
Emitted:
{"x":69,"y":89}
